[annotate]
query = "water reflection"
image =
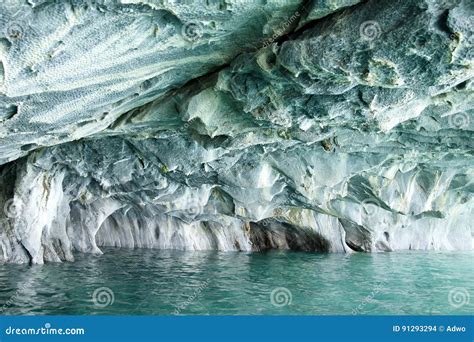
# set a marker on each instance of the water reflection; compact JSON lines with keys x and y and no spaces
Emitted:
{"x":175,"y":282}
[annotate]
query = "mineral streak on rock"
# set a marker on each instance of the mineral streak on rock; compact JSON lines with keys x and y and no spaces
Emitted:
{"x":324,"y":126}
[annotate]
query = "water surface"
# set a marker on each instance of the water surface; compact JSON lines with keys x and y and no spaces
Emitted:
{"x":154,"y":282}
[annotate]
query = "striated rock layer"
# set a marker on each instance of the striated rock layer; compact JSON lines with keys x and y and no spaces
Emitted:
{"x":330,"y":126}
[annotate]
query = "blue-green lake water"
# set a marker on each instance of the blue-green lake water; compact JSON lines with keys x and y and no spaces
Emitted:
{"x":154,"y":282}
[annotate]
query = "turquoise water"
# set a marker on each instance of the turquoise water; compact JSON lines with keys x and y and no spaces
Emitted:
{"x":154,"y":282}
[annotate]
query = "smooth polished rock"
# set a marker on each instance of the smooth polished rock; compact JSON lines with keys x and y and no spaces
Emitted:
{"x":350,"y":131}
{"x":70,"y":69}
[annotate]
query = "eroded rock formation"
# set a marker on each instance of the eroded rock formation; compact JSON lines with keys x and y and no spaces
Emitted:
{"x":233,"y":125}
